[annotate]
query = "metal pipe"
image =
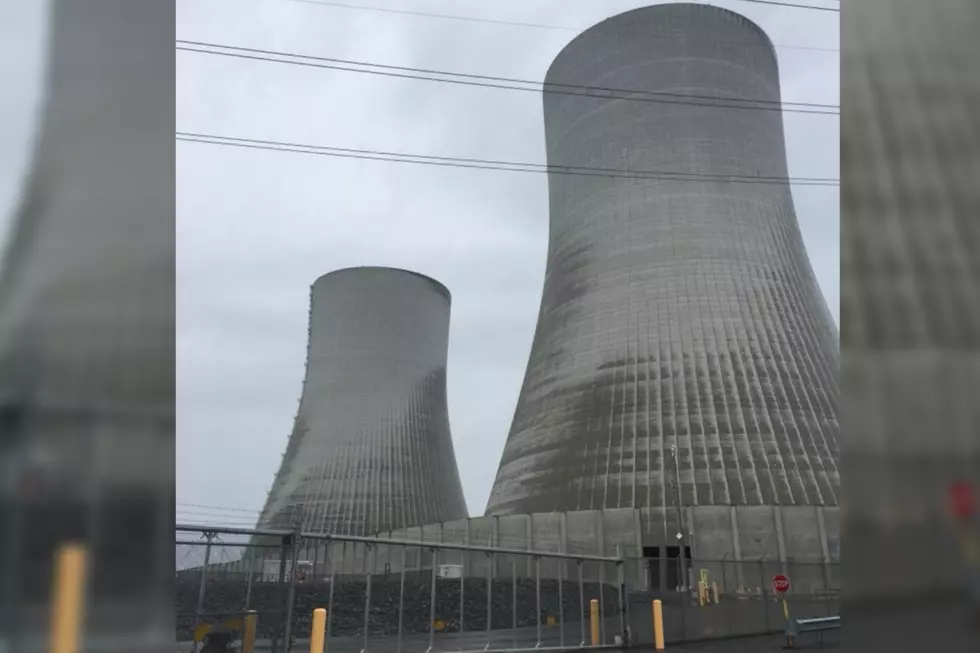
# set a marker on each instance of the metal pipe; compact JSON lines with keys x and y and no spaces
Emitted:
{"x":248,"y":586}
{"x":401,"y":602}
{"x":490,"y":563}
{"x":280,"y":583}
{"x":602,"y":602}
{"x":243,"y":545}
{"x":621,"y":590}
{"x":375,"y":540}
{"x":291,"y":594}
{"x":202,"y":586}
{"x":371,"y":552}
{"x":537,"y":597}
{"x":432,"y":596}
{"x":462,"y":590}
{"x":513,"y":600}
{"x":561,"y":604}
{"x":333,"y":577}
{"x":581,"y":602}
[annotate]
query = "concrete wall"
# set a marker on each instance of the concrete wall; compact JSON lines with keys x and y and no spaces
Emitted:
{"x":741,"y":546}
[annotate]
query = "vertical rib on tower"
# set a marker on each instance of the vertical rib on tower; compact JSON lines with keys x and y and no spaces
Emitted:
{"x":676,"y":312}
{"x":371,"y":449}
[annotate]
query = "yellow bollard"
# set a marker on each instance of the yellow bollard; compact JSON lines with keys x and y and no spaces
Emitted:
{"x":319,"y":630}
{"x":702,"y":592}
{"x":251,"y":625}
{"x":68,"y":599}
{"x":658,"y":625}
{"x":594,"y":614}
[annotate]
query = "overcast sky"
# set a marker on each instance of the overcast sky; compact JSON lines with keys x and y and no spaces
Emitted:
{"x":255,"y":228}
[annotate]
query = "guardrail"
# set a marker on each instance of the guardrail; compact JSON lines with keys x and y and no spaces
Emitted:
{"x":817,"y":625}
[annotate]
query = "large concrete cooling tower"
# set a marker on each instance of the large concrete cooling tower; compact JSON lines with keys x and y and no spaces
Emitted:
{"x":87,"y":327}
{"x":682,"y":335}
{"x":371,"y":448}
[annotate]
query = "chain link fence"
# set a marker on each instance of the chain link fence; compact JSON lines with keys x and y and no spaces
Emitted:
{"x":384,"y":595}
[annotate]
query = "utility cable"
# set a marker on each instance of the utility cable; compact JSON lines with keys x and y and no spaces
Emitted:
{"x":511,"y":23}
{"x":506,"y":83}
{"x":487,"y":164}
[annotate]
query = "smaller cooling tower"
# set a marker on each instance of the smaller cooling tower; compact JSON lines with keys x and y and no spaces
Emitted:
{"x":371,"y":449}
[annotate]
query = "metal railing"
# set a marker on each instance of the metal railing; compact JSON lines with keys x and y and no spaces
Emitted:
{"x":394,"y":595}
{"x":384,"y":594}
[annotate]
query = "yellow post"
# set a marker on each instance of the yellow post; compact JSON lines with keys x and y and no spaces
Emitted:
{"x":319,"y":631}
{"x":658,"y":625}
{"x":251,"y":625}
{"x":594,"y":614}
{"x":68,"y":599}
{"x":702,"y":590}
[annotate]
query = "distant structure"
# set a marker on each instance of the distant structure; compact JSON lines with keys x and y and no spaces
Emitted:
{"x":371,"y":448}
{"x":87,"y":327}
{"x":684,"y":356}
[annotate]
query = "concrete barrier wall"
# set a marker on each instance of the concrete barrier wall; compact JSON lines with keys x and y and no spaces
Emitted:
{"x":776,"y":535}
{"x":720,"y":536}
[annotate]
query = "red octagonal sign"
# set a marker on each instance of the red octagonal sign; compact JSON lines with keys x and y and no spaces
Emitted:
{"x":780,"y":584}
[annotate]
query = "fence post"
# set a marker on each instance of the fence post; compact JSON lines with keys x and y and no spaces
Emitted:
{"x":209,"y":537}
{"x":291,"y":592}
{"x":370,"y":558}
{"x":491,"y":561}
{"x":537,"y":597}
{"x":248,"y":582}
{"x":280,"y":584}
{"x":462,"y":589}
{"x":513,"y":600}
{"x":765,"y":594}
{"x":561,"y":602}
{"x":432,"y":607}
{"x":332,"y":561}
{"x":581,"y":601}
{"x":401,"y":601}
{"x":621,"y":579}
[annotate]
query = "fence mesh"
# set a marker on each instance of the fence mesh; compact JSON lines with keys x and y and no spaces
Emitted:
{"x":382,"y":595}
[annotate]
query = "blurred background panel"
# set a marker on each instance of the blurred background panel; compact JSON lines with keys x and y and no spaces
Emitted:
{"x":910,"y":327}
{"x":87,"y":319}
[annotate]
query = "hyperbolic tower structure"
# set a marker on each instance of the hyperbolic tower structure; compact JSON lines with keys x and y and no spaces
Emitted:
{"x":684,"y":355}
{"x":371,"y":449}
{"x":87,"y":323}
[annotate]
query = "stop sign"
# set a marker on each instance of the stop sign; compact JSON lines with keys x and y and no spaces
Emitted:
{"x":780,"y":584}
{"x":962,"y":502}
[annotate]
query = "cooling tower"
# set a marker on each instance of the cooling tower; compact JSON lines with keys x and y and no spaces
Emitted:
{"x":87,"y":326}
{"x":371,"y":448}
{"x":682,"y":337}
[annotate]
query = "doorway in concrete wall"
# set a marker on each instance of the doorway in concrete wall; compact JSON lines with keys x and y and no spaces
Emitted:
{"x":667,"y":570}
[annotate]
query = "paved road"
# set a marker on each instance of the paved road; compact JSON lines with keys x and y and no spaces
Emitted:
{"x":758,"y":645}
{"x":741,"y":645}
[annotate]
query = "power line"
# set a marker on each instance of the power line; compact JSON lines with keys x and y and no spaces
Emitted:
{"x":791,"y":4}
{"x":506,"y":83}
{"x":198,"y":505}
{"x":511,"y":23}
{"x":487,"y":164}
